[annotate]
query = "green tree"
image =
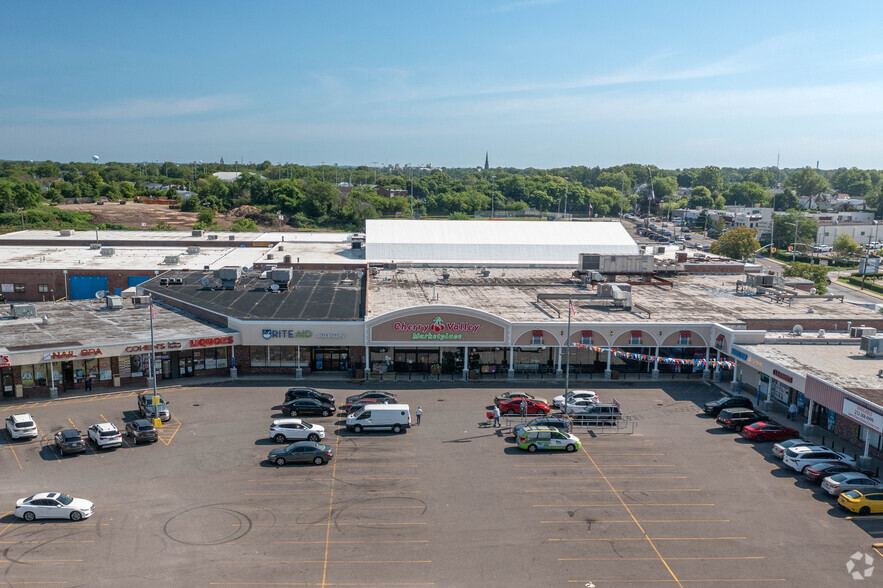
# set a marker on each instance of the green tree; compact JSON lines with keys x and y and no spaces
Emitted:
{"x":710,"y":177}
{"x":244,"y":225}
{"x":783,"y":229}
{"x":47,"y":169}
{"x":846,"y":246}
{"x":700,"y":197}
{"x":163,"y":226}
{"x":744,"y":194}
{"x":817,"y":273}
{"x":763,"y":177}
{"x":737,"y":243}
{"x":787,"y":200}
{"x":806,"y":182}
{"x":855,"y":182}
{"x":613,"y":180}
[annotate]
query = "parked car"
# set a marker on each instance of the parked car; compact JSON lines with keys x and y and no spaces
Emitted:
{"x":575,"y":395}
{"x":141,"y":430}
{"x":293,"y":393}
{"x":817,"y":473}
{"x":714,"y":407}
{"x":21,"y":426}
{"x":302,"y":452}
{"x":499,"y":399}
{"x":534,"y":438}
{"x":105,"y":435}
{"x":561,"y":422}
{"x":513,"y":406}
{"x":69,"y":441}
{"x":842,"y":482}
{"x":307,"y":406}
{"x":366,"y":402}
{"x":780,"y":448}
{"x":283,"y":430}
{"x":53,"y":505}
{"x":375,"y":394}
{"x":858,"y":502}
{"x":764,"y":431}
{"x":151,"y":409}
{"x":596,"y":414}
{"x":736,"y":418}
{"x":797,"y":458}
{"x":580,"y":405}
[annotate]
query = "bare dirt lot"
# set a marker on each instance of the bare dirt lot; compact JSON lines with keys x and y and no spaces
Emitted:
{"x":133,"y":214}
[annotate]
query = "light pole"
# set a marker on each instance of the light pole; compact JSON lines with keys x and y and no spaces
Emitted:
{"x":493,"y":186}
{"x":22,"y":211}
{"x":566,"y":179}
{"x":411,"y":177}
{"x":621,"y":196}
{"x":868,"y":254}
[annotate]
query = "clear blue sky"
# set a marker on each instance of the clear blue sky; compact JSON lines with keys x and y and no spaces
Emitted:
{"x":539,"y":83}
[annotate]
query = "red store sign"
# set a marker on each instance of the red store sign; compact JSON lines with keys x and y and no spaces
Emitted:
{"x":784,"y":377}
{"x":211,"y":341}
{"x":74,"y":354}
{"x":4,"y":361}
{"x":157,"y":347}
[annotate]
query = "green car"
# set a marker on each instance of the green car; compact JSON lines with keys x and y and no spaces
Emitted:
{"x":533,"y":438}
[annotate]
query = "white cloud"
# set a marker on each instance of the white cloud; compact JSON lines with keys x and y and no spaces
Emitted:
{"x":147,"y":108}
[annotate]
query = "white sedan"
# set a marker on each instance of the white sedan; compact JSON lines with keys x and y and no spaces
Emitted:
{"x":575,"y":395}
{"x":285,"y":430}
{"x":53,"y":505}
{"x":580,"y":405}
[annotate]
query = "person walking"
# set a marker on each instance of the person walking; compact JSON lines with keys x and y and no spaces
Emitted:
{"x":496,"y":416}
{"x":88,"y":383}
{"x":419,"y":414}
{"x":792,"y":411}
{"x":523,"y":407}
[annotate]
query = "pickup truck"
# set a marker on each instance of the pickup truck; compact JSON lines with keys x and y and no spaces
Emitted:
{"x":149,"y":410}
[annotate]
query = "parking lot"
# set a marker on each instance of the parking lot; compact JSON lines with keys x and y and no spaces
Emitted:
{"x":451,"y":503}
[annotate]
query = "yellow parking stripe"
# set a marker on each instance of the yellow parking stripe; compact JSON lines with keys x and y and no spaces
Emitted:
{"x":653,"y":538}
{"x":660,"y":477}
{"x":670,"y":581}
{"x":616,"y":504}
{"x":654,"y":558}
{"x":162,"y":430}
{"x":642,"y":520}
{"x":332,"y":542}
{"x":561,"y":491}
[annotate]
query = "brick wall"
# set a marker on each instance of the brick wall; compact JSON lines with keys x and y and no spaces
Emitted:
{"x":55,"y":279}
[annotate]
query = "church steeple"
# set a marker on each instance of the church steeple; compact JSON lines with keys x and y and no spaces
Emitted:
{"x":485,"y":160}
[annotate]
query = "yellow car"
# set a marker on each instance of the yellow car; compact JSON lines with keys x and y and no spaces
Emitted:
{"x":863,"y":504}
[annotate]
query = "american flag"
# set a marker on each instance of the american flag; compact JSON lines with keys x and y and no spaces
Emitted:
{"x":152,"y":312}
{"x":572,"y":309}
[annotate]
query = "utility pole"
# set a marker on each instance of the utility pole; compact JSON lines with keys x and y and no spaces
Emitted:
{"x":621,"y":196}
{"x":566,"y":179}
{"x":493,"y":186}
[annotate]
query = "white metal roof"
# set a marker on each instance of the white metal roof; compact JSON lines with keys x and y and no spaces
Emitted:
{"x":493,"y":242}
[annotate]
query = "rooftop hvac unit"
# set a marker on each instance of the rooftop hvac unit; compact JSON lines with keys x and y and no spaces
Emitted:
{"x":67,"y":232}
{"x":192,"y":250}
{"x":589,"y":261}
{"x":140,"y":300}
{"x":94,"y":245}
{"x":171,"y":260}
{"x":874,"y":345}
{"x":20,"y":310}
{"x":212,"y":237}
{"x":357,"y":240}
{"x":108,"y":251}
{"x":281,"y":277}
{"x":196,"y":233}
{"x":114,"y":302}
{"x":228,"y":275}
{"x":862,"y":331}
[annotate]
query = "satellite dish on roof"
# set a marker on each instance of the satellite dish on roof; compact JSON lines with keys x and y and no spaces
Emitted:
{"x":244,"y":268}
{"x":205,"y":282}
{"x":797,"y":330}
{"x":100,"y":294}
{"x":274,"y":288}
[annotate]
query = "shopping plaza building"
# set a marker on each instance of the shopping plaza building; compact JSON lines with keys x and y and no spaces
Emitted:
{"x":468,"y":300}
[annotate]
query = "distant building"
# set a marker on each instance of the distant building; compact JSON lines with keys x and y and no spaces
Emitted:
{"x":227,"y":176}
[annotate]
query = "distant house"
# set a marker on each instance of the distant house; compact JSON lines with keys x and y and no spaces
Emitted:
{"x":391,"y":192}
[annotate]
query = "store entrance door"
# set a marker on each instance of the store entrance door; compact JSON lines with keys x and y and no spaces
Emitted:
{"x":67,"y":374}
{"x":7,"y":382}
{"x":331,"y":359}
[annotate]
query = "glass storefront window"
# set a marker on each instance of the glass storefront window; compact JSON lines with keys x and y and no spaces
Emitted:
{"x":221,"y":357}
{"x":104,"y":372}
{"x":91,"y":367}
{"x":259,"y":356}
{"x":27,"y":376}
{"x":275,"y":356}
{"x":210,"y":362}
{"x":198,"y":360}
{"x":288,"y":356}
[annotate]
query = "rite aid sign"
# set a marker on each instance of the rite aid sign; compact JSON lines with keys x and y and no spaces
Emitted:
{"x":863,"y":416}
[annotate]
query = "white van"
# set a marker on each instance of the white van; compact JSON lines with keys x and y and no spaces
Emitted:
{"x":395,"y":417}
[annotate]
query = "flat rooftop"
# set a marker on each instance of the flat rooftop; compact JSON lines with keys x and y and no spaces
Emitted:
{"x":76,"y":323}
{"x":511,"y":293}
{"x":313,"y":253}
{"x":77,"y":257}
{"x":183,"y":237}
{"x":314,"y":295}
{"x":842,"y":365}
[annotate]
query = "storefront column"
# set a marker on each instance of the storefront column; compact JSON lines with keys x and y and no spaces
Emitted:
{"x":233,"y":371}
{"x":558,"y":372}
{"x":466,"y":364}
{"x":706,"y":373}
{"x":655,"y":373}
{"x":511,"y":372}
{"x":608,"y":373}
{"x":768,"y":403}
{"x":717,"y":368}
{"x":53,"y":390}
{"x":735,"y":384}
{"x":298,"y":371}
{"x":368,"y":361}
{"x":807,"y":428}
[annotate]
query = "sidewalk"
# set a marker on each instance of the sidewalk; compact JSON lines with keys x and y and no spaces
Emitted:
{"x":814,"y":433}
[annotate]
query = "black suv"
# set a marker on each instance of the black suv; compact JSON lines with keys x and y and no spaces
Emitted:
{"x":713,"y":408}
{"x":736,"y":418}
{"x":70,"y":441}
{"x":308,"y":393}
{"x":141,"y":430}
{"x":307,"y":406}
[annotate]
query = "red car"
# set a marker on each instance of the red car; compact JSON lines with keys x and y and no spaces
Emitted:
{"x":818,"y":472}
{"x":761,"y":431}
{"x":533,"y":407}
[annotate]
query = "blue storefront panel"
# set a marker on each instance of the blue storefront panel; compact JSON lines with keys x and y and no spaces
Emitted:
{"x":135,"y":280}
{"x":84,"y":287}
